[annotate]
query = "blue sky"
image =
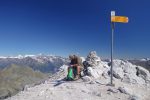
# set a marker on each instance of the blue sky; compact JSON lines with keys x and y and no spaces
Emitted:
{"x":64,"y":27}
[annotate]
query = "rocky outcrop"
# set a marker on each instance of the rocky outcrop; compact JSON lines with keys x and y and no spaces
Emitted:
{"x":143,"y":73}
{"x":130,"y":73}
{"x":122,"y":70}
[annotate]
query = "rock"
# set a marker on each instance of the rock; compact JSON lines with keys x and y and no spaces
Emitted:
{"x":92,"y":82}
{"x":124,"y":90}
{"x":82,"y":74}
{"x":113,"y":90}
{"x":92,"y":73}
{"x":99,"y":95}
{"x":143,"y":73}
{"x":105,"y":75}
{"x":83,"y":91}
{"x":129,"y":78}
{"x":92,"y":59}
{"x":95,"y":67}
{"x":26,"y":87}
{"x":132,"y":78}
{"x":118,"y":69}
{"x":133,"y":97}
{"x":117,"y":73}
{"x":110,"y":93}
{"x":99,"y":82}
{"x":96,"y":93}
{"x":4,"y":94}
{"x":130,"y":73}
{"x":86,"y":79}
{"x":129,"y":68}
{"x":41,"y":93}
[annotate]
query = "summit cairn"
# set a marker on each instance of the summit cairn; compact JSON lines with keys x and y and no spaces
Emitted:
{"x":92,"y":59}
{"x":94,"y":66}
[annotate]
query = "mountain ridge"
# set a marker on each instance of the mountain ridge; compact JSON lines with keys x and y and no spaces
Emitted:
{"x":43,"y":63}
{"x":132,"y":82}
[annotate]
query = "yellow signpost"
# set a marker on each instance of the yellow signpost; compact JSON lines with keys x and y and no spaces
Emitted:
{"x":121,"y":19}
{"x":114,"y":19}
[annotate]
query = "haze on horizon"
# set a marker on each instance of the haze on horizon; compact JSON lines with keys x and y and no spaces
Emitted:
{"x":63,"y":27}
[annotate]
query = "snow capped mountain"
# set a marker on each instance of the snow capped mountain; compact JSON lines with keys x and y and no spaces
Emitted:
{"x":27,"y":55}
{"x":44,"y":63}
{"x":19,"y":56}
{"x":3,"y":57}
{"x":36,"y":57}
{"x":145,"y":59}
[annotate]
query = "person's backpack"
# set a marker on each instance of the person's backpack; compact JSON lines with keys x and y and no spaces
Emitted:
{"x":70,"y":75}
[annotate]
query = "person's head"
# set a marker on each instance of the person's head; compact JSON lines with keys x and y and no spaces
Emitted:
{"x":71,"y":57}
{"x":75,"y":57}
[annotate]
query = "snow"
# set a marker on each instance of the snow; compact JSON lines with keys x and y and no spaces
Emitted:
{"x":29,"y":55}
{"x":3,"y":57}
{"x":145,"y":59}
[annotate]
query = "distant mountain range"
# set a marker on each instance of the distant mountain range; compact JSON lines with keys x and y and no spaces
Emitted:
{"x":43,"y":63}
{"x":50,"y":63}
{"x":17,"y":72}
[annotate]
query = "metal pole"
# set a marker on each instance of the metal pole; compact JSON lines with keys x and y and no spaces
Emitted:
{"x":112,"y":42}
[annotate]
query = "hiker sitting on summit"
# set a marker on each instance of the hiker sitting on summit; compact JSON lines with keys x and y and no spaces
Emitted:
{"x":75,"y":66}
